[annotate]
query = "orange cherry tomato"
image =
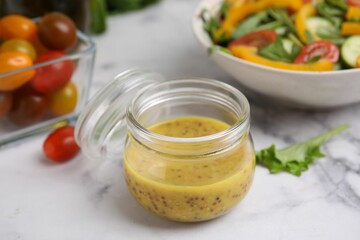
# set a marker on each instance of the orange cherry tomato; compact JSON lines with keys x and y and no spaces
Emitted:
{"x":16,"y":26}
{"x":64,"y":100}
{"x":10,"y":61}
{"x":20,"y":45}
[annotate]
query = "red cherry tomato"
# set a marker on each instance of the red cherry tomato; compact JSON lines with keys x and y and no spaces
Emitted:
{"x":325,"y":49}
{"x":28,"y":107}
{"x":16,"y":26}
{"x":60,"y":145}
{"x":355,"y":3}
{"x":6,"y":100}
{"x":57,"y":31}
{"x":256,"y":39}
{"x":53,"y":77}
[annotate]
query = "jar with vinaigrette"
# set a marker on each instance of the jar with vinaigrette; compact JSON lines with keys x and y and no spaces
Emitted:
{"x":187,"y":151}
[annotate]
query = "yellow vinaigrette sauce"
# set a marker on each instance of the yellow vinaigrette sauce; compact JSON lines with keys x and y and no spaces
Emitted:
{"x":189,"y":188}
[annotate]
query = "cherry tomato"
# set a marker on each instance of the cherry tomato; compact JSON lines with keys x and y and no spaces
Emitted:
{"x":6,"y":100}
{"x":64,"y":100}
{"x":325,"y":49}
{"x":355,"y":3}
{"x":28,"y":107}
{"x":10,"y":61}
{"x":20,"y":45}
{"x":39,"y":47}
{"x":256,"y":39}
{"x":16,"y":26}
{"x":53,"y":77}
{"x":57,"y":31}
{"x":60,"y":145}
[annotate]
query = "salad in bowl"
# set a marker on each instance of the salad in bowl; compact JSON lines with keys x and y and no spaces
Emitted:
{"x":297,"y":53}
{"x":300,"y":35}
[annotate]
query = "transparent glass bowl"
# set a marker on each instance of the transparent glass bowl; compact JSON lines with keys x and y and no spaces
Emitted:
{"x":83,"y":56}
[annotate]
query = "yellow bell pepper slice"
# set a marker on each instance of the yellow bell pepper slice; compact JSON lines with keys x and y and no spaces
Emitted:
{"x":250,"y":54}
{"x":353,"y":13}
{"x":241,"y":9}
{"x":358,"y":62}
{"x":350,"y":28}
{"x":308,"y":10}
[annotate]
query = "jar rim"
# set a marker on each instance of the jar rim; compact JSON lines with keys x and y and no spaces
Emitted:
{"x":242,"y":123}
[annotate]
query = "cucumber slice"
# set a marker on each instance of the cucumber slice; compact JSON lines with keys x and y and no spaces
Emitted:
{"x":288,"y":45}
{"x":350,"y":50}
{"x":281,"y":30}
{"x":318,"y":25}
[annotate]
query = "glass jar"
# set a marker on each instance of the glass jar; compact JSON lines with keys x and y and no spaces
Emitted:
{"x":183,"y":179}
{"x":30,"y":112}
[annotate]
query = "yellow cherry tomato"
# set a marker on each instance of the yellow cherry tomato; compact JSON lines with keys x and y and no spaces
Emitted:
{"x":64,"y":100}
{"x":20,"y":45}
{"x":10,"y":61}
{"x":16,"y":26}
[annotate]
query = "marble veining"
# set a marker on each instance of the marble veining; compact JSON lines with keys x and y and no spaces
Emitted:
{"x":86,"y":199}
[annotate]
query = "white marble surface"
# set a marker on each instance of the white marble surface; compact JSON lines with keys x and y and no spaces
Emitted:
{"x":83,"y":199}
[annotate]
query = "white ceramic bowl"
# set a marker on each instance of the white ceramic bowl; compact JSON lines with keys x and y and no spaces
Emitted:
{"x":312,"y":90}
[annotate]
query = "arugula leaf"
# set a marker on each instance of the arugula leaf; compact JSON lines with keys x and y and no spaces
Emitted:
{"x":338,"y":3}
{"x":296,"y":158}
{"x":277,"y":52}
{"x":331,"y":13}
{"x":249,"y":24}
{"x":314,"y":59}
{"x":269,"y":26}
{"x":217,"y":47}
{"x":224,"y":9}
{"x":336,"y":40}
{"x":295,"y":40}
{"x":282,"y":16}
{"x":309,"y":37}
{"x":211,"y":24}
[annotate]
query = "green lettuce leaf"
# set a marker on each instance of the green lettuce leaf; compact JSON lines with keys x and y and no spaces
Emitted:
{"x":296,"y":158}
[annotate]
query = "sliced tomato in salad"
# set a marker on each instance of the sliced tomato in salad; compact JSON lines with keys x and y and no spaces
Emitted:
{"x":324,"y":49}
{"x":355,"y":3}
{"x":256,"y":39}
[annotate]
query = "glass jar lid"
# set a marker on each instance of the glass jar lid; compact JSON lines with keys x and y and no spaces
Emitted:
{"x":101,"y":128}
